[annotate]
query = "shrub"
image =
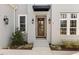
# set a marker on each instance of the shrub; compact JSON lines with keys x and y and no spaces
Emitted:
{"x":71,"y":44}
{"x":17,"y":39}
{"x":76,"y":44}
{"x":55,"y":47}
{"x":68,"y":44}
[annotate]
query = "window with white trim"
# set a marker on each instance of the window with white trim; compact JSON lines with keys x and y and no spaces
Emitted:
{"x":68,"y":23}
{"x":63,"y":27}
{"x":73,"y":27}
{"x":22,"y":23}
{"x":63,"y":24}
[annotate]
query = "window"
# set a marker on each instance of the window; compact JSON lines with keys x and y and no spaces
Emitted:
{"x":72,"y":27}
{"x":68,"y":23}
{"x":22,"y":23}
{"x":73,"y":15}
{"x":63,"y":15}
{"x":63,"y":27}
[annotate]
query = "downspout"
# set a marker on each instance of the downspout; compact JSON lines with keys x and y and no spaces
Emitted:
{"x":51,"y":25}
{"x":14,"y":8}
{"x":14,"y":20}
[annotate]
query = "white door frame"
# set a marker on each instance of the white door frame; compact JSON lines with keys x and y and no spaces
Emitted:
{"x":25,"y":21}
{"x":41,"y":16}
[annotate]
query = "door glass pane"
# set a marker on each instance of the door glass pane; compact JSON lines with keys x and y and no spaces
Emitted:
{"x":42,"y":23}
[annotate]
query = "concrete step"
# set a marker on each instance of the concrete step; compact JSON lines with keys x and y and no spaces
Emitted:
{"x":41,"y":49}
{"x":41,"y":43}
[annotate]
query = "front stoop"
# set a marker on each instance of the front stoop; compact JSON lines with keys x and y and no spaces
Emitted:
{"x":42,"y":50}
{"x":41,"y":47}
{"x":41,"y":43}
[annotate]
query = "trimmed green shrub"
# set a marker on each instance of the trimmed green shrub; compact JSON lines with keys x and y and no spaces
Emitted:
{"x":68,"y":44}
{"x":71,"y":44}
{"x":76,"y":44}
{"x":55,"y":47}
{"x":17,"y":39}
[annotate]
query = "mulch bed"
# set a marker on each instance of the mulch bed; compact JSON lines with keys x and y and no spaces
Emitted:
{"x":18,"y":49}
{"x":64,"y":49}
{"x":23,"y":47}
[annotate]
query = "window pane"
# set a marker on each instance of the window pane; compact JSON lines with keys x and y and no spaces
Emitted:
{"x":63,"y":23}
{"x":73,"y":15}
{"x":22,"y":25}
{"x":72,"y":23}
{"x":63,"y":30}
{"x":63,"y":15}
{"x":22,"y":29}
{"x":22,"y":19}
{"x":72,"y":31}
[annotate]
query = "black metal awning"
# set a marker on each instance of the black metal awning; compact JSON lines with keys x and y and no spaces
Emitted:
{"x":41,"y":7}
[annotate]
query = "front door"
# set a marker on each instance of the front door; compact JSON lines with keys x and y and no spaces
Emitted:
{"x":41,"y":24}
{"x":41,"y":27}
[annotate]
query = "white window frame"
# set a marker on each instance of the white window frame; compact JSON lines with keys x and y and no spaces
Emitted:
{"x":66,"y":24}
{"x":68,"y":21}
{"x":74,"y":27}
{"x":63,"y":27}
{"x":25,"y":22}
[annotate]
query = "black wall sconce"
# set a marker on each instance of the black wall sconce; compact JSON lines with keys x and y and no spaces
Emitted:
{"x":32,"y":21}
{"x":49,"y":21}
{"x":6,"y":20}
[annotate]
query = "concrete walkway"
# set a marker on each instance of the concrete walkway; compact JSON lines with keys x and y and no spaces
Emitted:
{"x":36,"y":51}
{"x":76,"y":53}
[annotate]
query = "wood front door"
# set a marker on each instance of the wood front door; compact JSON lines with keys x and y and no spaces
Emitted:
{"x":41,"y":27}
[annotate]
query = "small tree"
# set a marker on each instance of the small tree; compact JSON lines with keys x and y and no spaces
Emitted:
{"x":17,"y":38}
